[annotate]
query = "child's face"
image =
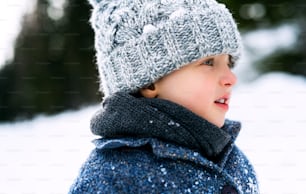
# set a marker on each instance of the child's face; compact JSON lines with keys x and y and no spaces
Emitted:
{"x":203,"y":86}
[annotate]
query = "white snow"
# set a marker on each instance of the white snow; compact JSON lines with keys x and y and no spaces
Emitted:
{"x":266,"y":41}
{"x":272,"y":111}
{"x":261,"y":43}
{"x":11,"y":13}
{"x":45,"y":154}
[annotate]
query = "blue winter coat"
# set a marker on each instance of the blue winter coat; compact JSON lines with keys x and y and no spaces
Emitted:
{"x":138,"y":164}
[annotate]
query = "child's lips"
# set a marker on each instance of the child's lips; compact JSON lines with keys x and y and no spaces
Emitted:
{"x":222,"y":106}
{"x":223,"y":102}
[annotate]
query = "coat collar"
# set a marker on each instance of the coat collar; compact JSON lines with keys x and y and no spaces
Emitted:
{"x":166,"y":150}
{"x":124,"y":116}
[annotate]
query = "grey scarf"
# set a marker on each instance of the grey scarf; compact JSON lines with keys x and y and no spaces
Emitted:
{"x":124,"y":115}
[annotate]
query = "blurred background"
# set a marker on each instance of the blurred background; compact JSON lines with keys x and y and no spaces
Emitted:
{"x":48,"y":65}
{"x":49,"y":92}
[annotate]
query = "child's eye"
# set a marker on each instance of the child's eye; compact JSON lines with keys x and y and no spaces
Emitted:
{"x":209,"y":62}
{"x":231,"y":65}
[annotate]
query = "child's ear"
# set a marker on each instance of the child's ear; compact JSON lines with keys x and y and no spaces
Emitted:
{"x":149,"y":91}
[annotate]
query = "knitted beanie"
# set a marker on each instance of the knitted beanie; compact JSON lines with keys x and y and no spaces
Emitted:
{"x":140,"y":41}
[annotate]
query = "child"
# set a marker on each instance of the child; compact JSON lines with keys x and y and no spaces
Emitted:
{"x":165,"y":68}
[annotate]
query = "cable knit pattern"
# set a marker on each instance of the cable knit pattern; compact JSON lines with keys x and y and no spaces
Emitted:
{"x":140,"y":41}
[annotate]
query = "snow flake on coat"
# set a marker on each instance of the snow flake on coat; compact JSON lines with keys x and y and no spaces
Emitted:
{"x":139,"y":164}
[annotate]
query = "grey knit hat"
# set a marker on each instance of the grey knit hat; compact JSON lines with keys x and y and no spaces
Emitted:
{"x":140,"y":41}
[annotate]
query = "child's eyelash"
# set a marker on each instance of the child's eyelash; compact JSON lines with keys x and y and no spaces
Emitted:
{"x":231,"y":65}
{"x":209,"y":62}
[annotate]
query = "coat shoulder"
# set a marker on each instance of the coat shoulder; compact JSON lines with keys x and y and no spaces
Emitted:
{"x":129,"y":170}
{"x":139,"y":170}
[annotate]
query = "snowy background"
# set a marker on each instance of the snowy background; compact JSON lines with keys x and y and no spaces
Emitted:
{"x":44,"y":155}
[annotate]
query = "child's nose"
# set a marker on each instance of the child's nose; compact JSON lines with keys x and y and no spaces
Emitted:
{"x":228,"y":78}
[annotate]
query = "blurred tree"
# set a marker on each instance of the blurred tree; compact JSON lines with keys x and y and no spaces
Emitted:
{"x":260,"y":14}
{"x":53,"y":67}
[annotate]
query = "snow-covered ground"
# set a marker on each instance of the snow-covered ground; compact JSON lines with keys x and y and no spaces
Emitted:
{"x":272,"y":110}
{"x":45,"y":154}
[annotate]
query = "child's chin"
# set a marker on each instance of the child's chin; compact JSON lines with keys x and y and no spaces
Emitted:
{"x":220,"y":123}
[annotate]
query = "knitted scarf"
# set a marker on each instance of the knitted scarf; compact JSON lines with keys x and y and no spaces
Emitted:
{"x":124,"y":115}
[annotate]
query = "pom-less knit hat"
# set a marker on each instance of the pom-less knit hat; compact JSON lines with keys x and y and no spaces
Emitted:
{"x":140,"y":41}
